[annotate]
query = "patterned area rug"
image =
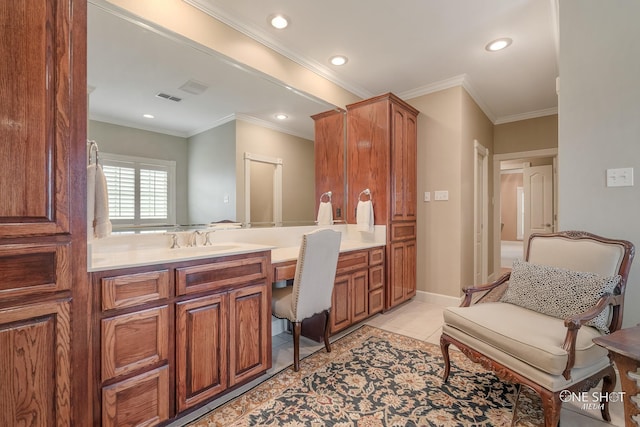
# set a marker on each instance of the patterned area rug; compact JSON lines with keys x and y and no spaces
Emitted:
{"x":377,"y":378}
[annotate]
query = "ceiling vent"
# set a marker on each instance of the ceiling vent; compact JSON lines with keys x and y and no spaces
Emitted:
{"x":194,"y":87}
{"x":169,"y":97}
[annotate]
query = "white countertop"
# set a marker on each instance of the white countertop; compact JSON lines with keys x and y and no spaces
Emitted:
{"x":140,"y":257}
{"x":126,"y":251}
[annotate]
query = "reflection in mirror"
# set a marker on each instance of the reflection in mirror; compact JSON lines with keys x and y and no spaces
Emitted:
{"x":207,"y":112}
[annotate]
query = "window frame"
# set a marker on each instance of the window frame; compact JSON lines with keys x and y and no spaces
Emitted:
{"x":137,"y":163}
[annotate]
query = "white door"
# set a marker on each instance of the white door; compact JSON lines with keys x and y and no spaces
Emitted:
{"x":481,"y":214}
{"x":538,"y":200}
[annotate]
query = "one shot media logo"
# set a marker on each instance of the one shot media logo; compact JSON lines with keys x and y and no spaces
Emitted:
{"x":594,"y":400}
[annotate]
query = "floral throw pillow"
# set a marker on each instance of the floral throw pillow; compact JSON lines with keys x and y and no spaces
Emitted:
{"x":558,"y":292}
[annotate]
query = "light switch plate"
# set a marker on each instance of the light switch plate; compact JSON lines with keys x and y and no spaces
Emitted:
{"x":427,"y":196}
{"x":441,"y":195}
{"x":622,"y":177}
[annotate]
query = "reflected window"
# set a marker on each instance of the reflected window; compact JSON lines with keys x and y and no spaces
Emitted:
{"x":141,"y":190}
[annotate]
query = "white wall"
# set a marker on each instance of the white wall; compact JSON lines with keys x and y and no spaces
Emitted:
{"x":212,"y":175}
{"x":599,"y":123}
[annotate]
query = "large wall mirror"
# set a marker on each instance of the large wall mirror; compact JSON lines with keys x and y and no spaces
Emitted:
{"x":207,"y":112}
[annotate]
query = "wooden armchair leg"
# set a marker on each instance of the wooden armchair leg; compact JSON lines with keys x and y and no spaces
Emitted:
{"x":551,"y":405}
{"x":297,"y":327}
{"x":327,"y":327}
{"x":608,"y":384}
{"x":444,"y":347}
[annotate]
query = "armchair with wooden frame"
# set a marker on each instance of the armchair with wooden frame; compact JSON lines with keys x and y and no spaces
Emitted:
{"x":524,"y":337}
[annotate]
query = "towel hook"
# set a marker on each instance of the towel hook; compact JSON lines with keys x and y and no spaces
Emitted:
{"x":366,"y":192}
{"x":328,"y":194}
{"x":93,"y":146}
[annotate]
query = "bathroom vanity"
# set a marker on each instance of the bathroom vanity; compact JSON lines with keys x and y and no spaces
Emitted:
{"x":174,"y":329}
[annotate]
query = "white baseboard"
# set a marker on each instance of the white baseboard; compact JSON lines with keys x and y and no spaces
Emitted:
{"x":438,"y":299}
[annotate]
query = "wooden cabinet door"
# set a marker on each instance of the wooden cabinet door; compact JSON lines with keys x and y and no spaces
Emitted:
{"x":359,"y":295}
{"x":403,"y":161}
{"x":35,"y":345}
{"x":250,"y":332}
{"x":402,"y":269}
{"x":340,"y":304}
{"x":329,"y":149}
{"x":43,"y":192}
{"x":201,"y":349}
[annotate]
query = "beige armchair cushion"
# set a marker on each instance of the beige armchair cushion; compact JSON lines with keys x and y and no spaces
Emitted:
{"x":559,"y":292}
{"x":524,"y":334}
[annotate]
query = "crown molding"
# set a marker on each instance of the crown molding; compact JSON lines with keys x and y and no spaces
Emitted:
{"x":266,"y":40}
{"x":526,"y":116}
{"x":125,"y":123}
{"x":269,"y":125}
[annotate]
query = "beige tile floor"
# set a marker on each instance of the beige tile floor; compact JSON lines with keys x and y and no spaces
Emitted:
{"x":416,"y":319}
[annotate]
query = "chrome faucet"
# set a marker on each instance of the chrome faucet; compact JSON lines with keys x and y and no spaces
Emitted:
{"x":174,"y":240}
{"x":207,"y":235}
{"x":193,"y":239}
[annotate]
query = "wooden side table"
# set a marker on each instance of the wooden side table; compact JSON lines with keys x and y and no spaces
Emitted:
{"x":624,"y":350}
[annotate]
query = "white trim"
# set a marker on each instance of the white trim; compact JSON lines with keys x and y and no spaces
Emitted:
{"x":526,"y":116}
{"x":481,"y":152}
{"x":438,"y":299}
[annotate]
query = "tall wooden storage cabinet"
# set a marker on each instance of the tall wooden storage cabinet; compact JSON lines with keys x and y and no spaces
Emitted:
{"x":381,"y":156}
{"x":329,"y":148}
{"x":43,"y":276}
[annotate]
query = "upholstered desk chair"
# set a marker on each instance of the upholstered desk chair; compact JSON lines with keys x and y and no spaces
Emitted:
{"x":539,"y":333}
{"x":312,"y":286}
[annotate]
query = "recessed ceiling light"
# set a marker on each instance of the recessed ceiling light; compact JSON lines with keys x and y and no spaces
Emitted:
{"x":498,"y":44}
{"x":281,"y":116}
{"x":338,"y":60}
{"x":278,"y":21}
{"x":148,"y":116}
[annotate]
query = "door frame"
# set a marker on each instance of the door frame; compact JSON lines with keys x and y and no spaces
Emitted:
{"x":277,"y":186}
{"x":497,"y":158}
{"x":480,"y":152}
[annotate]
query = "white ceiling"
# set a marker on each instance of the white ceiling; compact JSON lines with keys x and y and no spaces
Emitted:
{"x":409,"y":47}
{"x":413,"y":47}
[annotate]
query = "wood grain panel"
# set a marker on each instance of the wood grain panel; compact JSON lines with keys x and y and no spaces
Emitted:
{"x":376,"y":301}
{"x":133,"y":289}
{"x":403,"y":231}
{"x":220,"y":274}
{"x":284,"y":271}
{"x":35,"y":346}
{"x":134,"y":341}
{"x":340,"y":304}
{"x":201,"y":349}
{"x":351,"y":261}
{"x":47,"y":266}
{"x":139,"y":401}
{"x":359,"y":296}
{"x":249,"y":321}
{"x":376,"y":277}
{"x":410,"y":168}
{"x":35,"y":117}
{"x":329,"y":158}
{"x":376,"y":256}
{"x":368,"y":156}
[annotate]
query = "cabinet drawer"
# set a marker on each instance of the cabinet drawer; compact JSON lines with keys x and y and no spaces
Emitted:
{"x":376,"y":301}
{"x":376,"y":256}
{"x":133,"y":341}
{"x":351,"y":261}
{"x":376,"y":277}
{"x":48,"y":266}
{"x":139,"y":401}
{"x":403,"y":231}
{"x":220,"y":274}
{"x":284,"y":271}
{"x":133,"y":289}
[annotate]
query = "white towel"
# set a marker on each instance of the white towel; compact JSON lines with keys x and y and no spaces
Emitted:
{"x":364,"y":216}
{"x":98,"y":223}
{"x":325,"y":213}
